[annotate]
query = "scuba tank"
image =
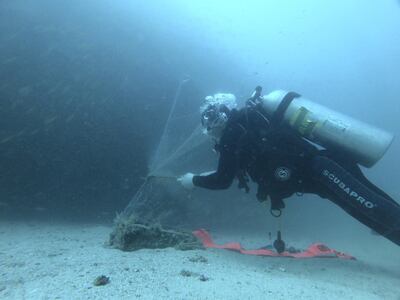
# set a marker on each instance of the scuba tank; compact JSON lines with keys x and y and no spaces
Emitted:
{"x":326,"y":127}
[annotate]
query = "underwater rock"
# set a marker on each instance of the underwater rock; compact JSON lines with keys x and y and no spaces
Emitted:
{"x":198,"y":258}
{"x":130,"y":235}
{"x":101,"y":280}
{"x":201,"y":277}
{"x":186,"y":273}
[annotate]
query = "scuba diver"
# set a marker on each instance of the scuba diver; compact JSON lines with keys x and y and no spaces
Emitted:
{"x":289,"y":145}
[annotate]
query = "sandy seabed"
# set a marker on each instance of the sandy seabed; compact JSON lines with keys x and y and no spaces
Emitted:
{"x":61,"y":261}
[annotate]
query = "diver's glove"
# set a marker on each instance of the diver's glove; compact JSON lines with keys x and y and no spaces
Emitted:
{"x":186,"y":181}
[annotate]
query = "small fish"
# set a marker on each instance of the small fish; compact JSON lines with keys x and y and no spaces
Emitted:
{"x":20,"y":133}
{"x":34,"y":132}
{"x":50,"y":120}
{"x":40,"y":209}
{"x":29,"y":111}
{"x":7,"y":139}
{"x":69,"y":119}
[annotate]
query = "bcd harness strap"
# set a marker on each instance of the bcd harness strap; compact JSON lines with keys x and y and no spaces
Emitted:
{"x":274,"y":125}
{"x":277,"y":117}
{"x":277,"y":204}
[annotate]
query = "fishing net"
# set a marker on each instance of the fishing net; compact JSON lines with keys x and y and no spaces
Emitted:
{"x":160,"y":199}
{"x":182,"y":133}
{"x":180,"y":149}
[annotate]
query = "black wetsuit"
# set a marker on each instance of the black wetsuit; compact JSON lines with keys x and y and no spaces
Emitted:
{"x":283,"y":163}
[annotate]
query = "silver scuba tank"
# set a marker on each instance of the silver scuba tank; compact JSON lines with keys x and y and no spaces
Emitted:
{"x":328,"y":128}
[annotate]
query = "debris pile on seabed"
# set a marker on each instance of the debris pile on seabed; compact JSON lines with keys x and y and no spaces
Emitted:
{"x":139,"y":225}
{"x":131,"y":235}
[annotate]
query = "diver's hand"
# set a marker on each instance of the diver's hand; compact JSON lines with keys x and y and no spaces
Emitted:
{"x":186,"y":181}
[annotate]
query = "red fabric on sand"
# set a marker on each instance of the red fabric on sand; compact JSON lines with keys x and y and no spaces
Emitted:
{"x":315,"y":250}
